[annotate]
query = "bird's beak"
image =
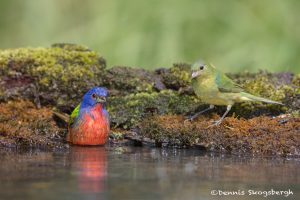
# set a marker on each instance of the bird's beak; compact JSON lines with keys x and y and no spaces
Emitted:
{"x":100,"y":99}
{"x":195,"y":74}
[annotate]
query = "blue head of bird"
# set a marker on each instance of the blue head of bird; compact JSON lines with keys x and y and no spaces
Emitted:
{"x":96,"y":95}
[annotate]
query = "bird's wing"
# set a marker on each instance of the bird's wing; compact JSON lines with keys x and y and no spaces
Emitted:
{"x":225,"y":84}
{"x":74,"y":115}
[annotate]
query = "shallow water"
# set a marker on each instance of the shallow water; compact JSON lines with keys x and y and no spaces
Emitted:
{"x":141,"y":173}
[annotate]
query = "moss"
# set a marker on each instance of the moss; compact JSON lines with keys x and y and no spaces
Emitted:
{"x":177,"y":76}
{"x":70,"y":47}
{"x":23,"y":125}
{"x":50,"y":75}
{"x":127,"y":111}
{"x":279,"y":87}
{"x":296,"y":81}
{"x":126,"y":80}
{"x":259,"y":135}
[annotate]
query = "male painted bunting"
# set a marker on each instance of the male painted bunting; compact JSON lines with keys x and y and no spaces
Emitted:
{"x":215,"y":88}
{"x":89,"y":121}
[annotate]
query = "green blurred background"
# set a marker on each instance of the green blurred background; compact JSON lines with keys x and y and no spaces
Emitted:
{"x":234,"y":35}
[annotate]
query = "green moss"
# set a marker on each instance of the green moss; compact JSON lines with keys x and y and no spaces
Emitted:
{"x":127,"y":111}
{"x":53,"y":65}
{"x":296,"y":80}
{"x":262,"y":86}
{"x":50,"y":74}
{"x":177,"y":76}
{"x":71,"y":47}
{"x":278,"y":87}
{"x":126,"y":80}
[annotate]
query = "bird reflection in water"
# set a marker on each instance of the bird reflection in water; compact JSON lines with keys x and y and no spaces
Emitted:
{"x":91,"y":165}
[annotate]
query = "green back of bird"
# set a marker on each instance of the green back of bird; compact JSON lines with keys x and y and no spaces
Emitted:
{"x":225,"y":84}
{"x":74,"y":115}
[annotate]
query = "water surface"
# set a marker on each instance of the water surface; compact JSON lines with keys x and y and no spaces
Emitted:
{"x":141,"y":173}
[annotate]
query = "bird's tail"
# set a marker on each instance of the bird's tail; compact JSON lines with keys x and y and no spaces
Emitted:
{"x":251,"y":97}
{"x":64,"y":117}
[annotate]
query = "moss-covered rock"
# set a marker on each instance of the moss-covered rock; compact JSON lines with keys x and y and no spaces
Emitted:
{"x":60,"y":75}
{"x":259,"y":136}
{"x":126,"y":80}
{"x":57,"y":76}
{"x":127,"y":111}
{"x":177,"y":77}
{"x":280,"y":87}
{"x":23,"y":125}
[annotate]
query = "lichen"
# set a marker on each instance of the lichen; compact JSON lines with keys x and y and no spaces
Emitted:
{"x":259,"y":136}
{"x":23,"y":125}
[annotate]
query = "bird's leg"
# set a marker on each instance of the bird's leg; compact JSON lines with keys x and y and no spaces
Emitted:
{"x":218,"y":122}
{"x":201,"y":112}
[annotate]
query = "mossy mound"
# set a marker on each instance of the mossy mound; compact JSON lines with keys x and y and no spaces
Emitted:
{"x":23,"y":125}
{"x":128,"y":109}
{"x":259,"y":136}
{"x":59,"y":75}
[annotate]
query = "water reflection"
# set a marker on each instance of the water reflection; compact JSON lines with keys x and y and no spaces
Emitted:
{"x":91,"y":165}
{"x":139,"y":173}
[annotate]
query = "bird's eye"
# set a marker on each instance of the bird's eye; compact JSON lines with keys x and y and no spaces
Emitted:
{"x":93,"y":96}
{"x":201,"y":67}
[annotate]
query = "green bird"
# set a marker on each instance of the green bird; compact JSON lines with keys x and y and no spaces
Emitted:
{"x":215,"y":88}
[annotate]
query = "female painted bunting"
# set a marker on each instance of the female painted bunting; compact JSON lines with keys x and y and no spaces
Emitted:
{"x":215,"y":88}
{"x":89,"y":121}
